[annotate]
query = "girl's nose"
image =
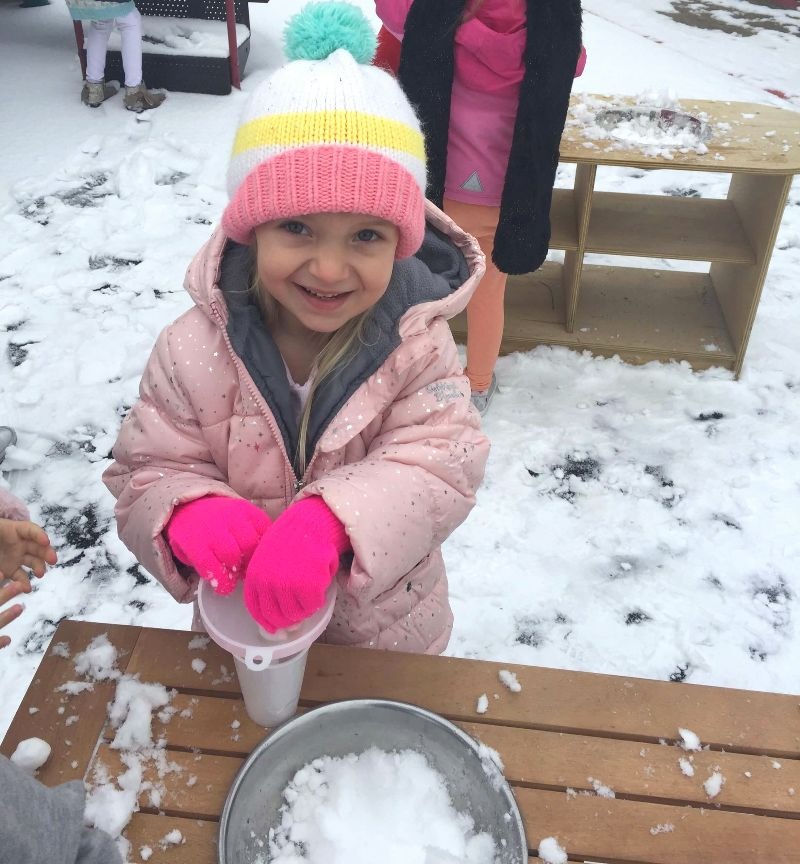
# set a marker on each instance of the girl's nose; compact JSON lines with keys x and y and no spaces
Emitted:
{"x":328,"y":264}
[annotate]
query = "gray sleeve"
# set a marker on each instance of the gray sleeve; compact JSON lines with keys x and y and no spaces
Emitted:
{"x":39,"y":823}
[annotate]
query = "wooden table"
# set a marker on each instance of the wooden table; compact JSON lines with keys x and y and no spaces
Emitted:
{"x":562,"y":729}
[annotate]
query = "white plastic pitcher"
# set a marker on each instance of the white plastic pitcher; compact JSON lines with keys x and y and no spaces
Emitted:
{"x":269,"y":667}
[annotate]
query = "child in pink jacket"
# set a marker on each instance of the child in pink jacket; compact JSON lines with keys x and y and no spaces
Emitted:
{"x":490,"y":80}
{"x":309,"y":416}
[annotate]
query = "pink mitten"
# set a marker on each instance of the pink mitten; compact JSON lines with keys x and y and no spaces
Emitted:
{"x":216,"y":536}
{"x":294,"y":564}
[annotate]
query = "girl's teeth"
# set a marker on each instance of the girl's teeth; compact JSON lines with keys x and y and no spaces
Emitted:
{"x":321,"y":296}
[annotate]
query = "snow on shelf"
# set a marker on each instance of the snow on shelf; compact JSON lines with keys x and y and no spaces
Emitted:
{"x":193,"y":37}
{"x":655,"y":125}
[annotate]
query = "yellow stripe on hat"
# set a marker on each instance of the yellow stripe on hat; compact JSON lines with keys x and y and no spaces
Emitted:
{"x":355,"y":128}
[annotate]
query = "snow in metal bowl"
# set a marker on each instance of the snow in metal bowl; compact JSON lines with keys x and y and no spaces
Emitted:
{"x":383,"y":736}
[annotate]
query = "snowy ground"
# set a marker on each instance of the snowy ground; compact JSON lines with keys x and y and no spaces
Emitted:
{"x":634,"y":520}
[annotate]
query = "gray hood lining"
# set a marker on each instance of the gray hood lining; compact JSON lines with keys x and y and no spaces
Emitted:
{"x":437,"y":270}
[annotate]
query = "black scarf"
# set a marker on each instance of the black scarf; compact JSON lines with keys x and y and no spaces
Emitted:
{"x":551,"y":54}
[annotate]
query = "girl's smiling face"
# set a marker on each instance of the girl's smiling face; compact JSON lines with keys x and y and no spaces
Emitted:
{"x":325,"y":268}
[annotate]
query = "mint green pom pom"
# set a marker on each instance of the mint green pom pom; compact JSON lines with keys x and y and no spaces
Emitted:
{"x":320,"y":28}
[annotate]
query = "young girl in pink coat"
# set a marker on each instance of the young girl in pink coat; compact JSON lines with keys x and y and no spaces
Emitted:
{"x":309,"y":416}
{"x":490,"y":80}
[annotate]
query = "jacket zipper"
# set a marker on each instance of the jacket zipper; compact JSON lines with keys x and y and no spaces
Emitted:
{"x":297,"y":482}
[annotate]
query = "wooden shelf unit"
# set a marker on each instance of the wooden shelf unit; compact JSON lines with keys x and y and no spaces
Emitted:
{"x":642,"y":313}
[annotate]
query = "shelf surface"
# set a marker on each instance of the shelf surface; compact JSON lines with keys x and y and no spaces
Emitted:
{"x":639,"y":314}
{"x":746,"y":137}
{"x":664,"y":226}
{"x":660,"y":314}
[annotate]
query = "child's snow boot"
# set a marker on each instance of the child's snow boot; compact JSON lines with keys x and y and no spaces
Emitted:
{"x":94,"y":93}
{"x":482,"y":398}
{"x":139,"y":98}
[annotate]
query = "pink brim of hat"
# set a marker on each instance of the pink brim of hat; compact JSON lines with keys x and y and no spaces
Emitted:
{"x":329,"y":179}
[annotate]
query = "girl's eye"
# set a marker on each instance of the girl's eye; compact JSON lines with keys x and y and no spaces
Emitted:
{"x":294,"y":227}
{"x":367,"y":235}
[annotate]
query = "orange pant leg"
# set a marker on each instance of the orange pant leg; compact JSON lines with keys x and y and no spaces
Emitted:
{"x":485,"y":312}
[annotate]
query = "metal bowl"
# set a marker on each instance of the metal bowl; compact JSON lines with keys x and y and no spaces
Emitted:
{"x":475,"y":784}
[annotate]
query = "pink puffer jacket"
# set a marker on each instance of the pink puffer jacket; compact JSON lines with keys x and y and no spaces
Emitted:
{"x":399,"y":463}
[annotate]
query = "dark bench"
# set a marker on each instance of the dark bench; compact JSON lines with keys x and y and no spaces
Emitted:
{"x":183,"y":71}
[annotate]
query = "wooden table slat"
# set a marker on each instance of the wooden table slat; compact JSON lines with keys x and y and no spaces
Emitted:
{"x":199,"y":844}
{"x":601,"y":829}
{"x":54,"y":709}
{"x":165,"y":656}
{"x":563,"y":700}
{"x":189,"y":785}
{"x":211,"y":724}
{"x":200,"y":837}
{"x":581,"y":702}
{"x":545,"y":759}
{"x":552,"y":759}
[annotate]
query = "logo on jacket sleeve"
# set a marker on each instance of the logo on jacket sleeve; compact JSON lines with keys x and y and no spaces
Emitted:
{"x":444,"y":391}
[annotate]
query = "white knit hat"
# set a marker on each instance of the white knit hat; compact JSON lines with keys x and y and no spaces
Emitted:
{"x":328,"y":133}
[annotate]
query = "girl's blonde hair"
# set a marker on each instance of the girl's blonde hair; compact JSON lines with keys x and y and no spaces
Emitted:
{"x":334,"y":353}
